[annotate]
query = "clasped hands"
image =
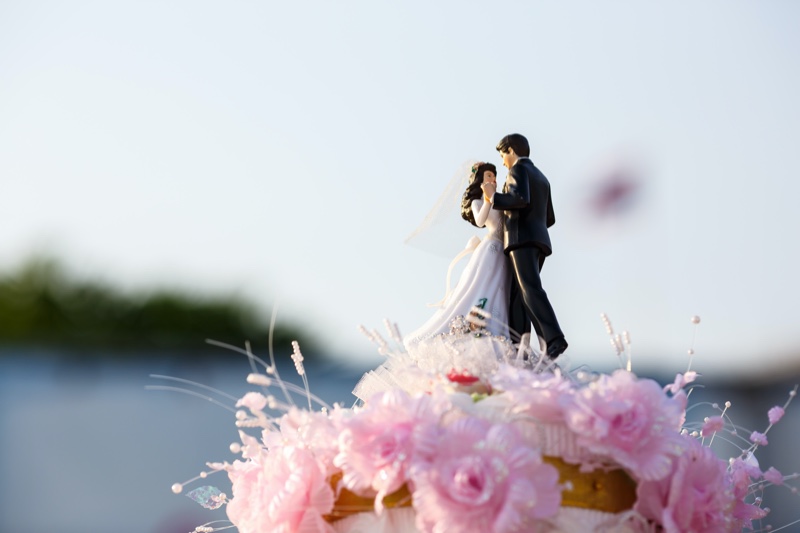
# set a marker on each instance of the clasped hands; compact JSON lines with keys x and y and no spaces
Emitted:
{"x":488,"y":190}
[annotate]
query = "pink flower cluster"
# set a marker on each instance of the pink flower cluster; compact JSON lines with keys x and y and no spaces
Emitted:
{"x":462,"y":471}
{"x":699,"y":494}
{"x":475,"y":462}
{"x":473,"y":475}
{"x":282,"y":491}
{"x":629,"y":421}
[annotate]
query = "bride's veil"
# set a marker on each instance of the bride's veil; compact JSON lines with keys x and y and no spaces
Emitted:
{"x":443,"y":231}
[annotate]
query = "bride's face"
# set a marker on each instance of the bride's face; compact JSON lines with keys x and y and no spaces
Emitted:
{"x":489,"y":177}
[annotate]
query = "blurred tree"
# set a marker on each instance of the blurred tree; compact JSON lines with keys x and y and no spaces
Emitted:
{"x":40,"y":305}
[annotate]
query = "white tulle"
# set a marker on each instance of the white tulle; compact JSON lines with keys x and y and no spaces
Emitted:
{"x":428,"y":362}
{"x":485,"y":279}
{"x":443,"y":231}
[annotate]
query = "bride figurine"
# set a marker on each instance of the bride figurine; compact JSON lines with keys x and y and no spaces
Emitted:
{"x":479,"y":301}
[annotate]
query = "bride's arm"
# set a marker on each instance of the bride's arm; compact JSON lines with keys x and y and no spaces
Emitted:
{"x":480,"y":209}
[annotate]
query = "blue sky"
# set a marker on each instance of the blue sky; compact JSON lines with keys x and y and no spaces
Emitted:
{"x":284,"y":150}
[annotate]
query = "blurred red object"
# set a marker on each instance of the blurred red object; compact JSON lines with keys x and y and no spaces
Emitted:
{"x":616,"y":193}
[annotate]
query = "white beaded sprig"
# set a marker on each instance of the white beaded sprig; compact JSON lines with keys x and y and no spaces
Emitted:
{"x":791,"y":397}
{"x":374,"y":336}
{"x":694,"y":320}
{"x":724,"y":415}
{"x":243,"y":420}
{"x":177,"y":488}
{"x":621,"y":343}
{"x":297,"y":357}
{"x":394,"y":331}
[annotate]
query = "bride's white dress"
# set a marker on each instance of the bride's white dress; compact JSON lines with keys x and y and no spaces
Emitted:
{"x":428,"y":351}
{"x":486,"y":276}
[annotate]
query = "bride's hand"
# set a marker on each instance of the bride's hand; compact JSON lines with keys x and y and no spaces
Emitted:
{"x":488,"y":189}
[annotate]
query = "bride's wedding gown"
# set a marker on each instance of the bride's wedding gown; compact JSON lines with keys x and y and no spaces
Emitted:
{"x":483,"y":283}
{"x":429,"y":350}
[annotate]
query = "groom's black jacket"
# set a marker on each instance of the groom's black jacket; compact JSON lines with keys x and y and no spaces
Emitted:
{"x":527,"y":208}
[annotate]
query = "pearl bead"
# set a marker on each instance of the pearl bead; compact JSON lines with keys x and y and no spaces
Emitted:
{"x":235,"y":447}
{"x":695,"y":319}
{"x":177,"y":488}
{"x":690,"y":351}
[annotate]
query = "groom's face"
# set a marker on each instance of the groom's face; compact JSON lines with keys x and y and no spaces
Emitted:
{"x":509,"y":158}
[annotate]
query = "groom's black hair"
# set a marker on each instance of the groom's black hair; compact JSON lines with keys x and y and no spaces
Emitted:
{"x":517,"y":142}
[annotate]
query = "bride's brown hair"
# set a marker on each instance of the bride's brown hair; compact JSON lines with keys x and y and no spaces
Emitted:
{"x":474,"y":192}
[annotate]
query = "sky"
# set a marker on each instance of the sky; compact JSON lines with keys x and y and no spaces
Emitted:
{"x":284,"y":150}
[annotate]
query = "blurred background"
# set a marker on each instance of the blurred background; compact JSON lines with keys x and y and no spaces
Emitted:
{"x":175,"y":171}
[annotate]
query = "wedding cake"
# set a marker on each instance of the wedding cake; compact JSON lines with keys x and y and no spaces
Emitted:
{"x":468,"y":432}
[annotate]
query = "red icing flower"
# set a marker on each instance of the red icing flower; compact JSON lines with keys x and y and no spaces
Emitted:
{"x":462,"y":378}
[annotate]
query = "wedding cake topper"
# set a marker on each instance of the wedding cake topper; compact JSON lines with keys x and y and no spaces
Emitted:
{"x":503,"y":276}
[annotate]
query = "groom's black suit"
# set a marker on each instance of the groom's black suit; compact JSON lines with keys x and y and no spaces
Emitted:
{"x":527,"y":213}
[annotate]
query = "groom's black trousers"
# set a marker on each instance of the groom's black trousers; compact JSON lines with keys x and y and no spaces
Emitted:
{"x":528,"y":302}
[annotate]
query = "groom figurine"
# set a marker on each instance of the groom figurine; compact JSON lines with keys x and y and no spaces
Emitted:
{"x":527,"y":213}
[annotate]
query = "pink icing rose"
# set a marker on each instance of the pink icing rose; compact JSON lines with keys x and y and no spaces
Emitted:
{"x":538,"y":395}
{"x":245,"y":478}
{"x":480,"y":476}
{"x":630,"y":421}
{"x":376,"y":444}
{"x":287,"y":493}
{"x":695,"y":496}
{"x":307,"y":429}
